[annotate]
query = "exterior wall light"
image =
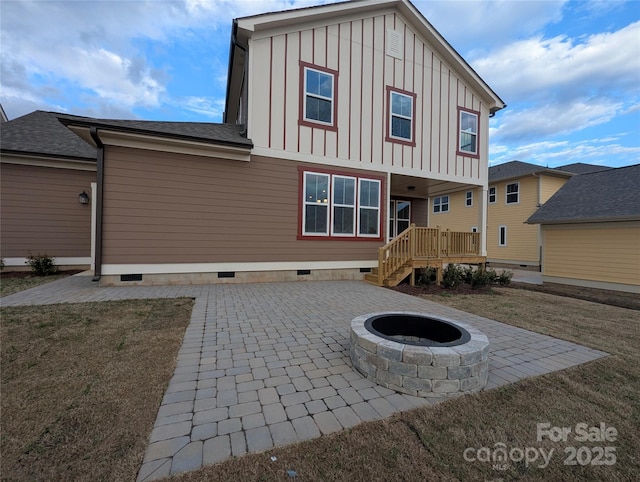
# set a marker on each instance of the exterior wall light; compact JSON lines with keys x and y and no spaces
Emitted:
{"x":83,"y":198}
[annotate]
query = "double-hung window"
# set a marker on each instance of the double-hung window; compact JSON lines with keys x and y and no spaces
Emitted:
{"x":513,"y":193}
{"x":468,"y":133}
{"x":340,"y":206}
{"x":492,"y":195}
{"x":468,"y":199}
{"x":318,"y":96}
{"x":441,"y":204}
{"x":401,"y":121}
{"x":344,"y":206}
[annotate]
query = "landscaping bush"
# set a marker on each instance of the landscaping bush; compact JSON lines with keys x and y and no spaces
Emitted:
{"x":504,"y":278}
{"x":42,"y":264}
{"x":426,"y":277}
{"x":452,"y":276}
{"x":483,"y":277}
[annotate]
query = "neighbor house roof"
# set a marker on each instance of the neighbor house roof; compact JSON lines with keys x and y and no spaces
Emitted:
{"x":41,"y":134}
{"x":582,"y":168}
{"x":610,"y":195}
{"x":210,"y":133}
{"x":515,"y":169}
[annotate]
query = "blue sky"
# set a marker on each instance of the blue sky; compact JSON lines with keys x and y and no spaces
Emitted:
{"x":568,"y":70}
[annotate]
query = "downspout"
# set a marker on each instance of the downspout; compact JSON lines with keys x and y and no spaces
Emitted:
{"x":100,"y":181}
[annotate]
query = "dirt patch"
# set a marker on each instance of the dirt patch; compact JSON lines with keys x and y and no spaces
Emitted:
{"x":81,"y":386}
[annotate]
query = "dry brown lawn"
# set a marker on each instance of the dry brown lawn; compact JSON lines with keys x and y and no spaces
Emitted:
{"x":14,"y":281}
{"x":428,"y":444}
{"x":81,"y":385}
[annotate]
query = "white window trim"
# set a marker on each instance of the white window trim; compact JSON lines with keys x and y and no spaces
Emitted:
{"x":495,"y":195}
{"x":440,"y":204}
{"x":307,"y":203}
{"x":460,"y":149}
{"x":377,"y":234}
{"x":500,"y":228}
{"x":474,"y":229}
{"x":392,"y":115}
{"x":318,"y":96}
{"x":467,"y":198}
{"x":506,"y":193}
{"x":333,"y":205}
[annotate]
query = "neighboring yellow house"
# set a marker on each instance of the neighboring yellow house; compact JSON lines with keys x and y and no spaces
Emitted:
{"x":591,"y":231}
{"x":516,"y":190}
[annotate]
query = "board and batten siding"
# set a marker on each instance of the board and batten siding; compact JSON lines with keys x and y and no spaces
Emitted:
{"x":171,"y":208}
{"x":598,"y":252}
{"x":40,"y":212}
{"x":356,"y":49}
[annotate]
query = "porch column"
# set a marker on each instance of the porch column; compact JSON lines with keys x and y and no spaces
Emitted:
{"x":482,"y":219}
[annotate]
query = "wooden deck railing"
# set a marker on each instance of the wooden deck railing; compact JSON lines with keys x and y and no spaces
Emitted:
{"x":418,"y":242}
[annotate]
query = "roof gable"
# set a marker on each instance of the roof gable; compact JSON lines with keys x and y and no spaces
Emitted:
{"x":515,"y":169}
{"x":610,"y":195}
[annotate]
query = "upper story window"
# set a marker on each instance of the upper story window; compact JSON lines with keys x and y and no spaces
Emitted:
{"x":492,"y":195}
{"x":441,"y":204}
{"x":318,"y":102}
{"x":468,"y":132}
{"x":340,"y":206}
{"x":513,"y":193}
{"x":468,"y":199}
{"x":401,"y":120}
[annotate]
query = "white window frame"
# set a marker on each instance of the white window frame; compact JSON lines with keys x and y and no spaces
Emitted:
{"x":377,"y":209}
{"x":318,"y":96}
{"x":474,"y":229}
{"x":308,"y":203}
{"x":440,"y":203}
{"x":495,"y":194}
{"x":500,"y":228}
{"x":507,"y":193}
{"x":468,"y":199}
{"x":337,"y":205}
{"x":474,"y":133}
{"x":400,"y":116}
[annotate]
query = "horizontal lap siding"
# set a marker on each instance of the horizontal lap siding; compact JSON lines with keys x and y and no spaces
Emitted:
{"x":522,"y":239}
{"x":459,"y":217}
{"x":609,"y":253}
{"x":549,"y":185}
{"x":356,"y":49}
{"x":170,"y":208}
{"x":40,"y":212}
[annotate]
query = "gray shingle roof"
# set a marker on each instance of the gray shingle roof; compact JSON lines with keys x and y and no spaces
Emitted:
{"x":228,"y":134}
{"x":515,"y":169}
{"x":610,"y":195}
{"x":40,"y":133}
{"x":582,"y":168}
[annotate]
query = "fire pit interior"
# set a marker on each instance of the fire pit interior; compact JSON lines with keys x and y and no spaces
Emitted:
{"x":417,"y":330}
{"x":419,"y":354}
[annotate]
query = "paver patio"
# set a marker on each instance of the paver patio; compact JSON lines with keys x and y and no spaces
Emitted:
{"x":264,"y":365}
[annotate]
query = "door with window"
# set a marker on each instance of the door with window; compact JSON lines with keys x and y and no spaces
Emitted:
{"x":399,"y":217}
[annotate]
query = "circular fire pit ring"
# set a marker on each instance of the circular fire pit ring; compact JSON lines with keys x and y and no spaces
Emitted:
{"x":420,"y":354}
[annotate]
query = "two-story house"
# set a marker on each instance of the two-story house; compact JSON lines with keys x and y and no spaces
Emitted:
{"x":516,"y":190}
{"x":341,"y":121}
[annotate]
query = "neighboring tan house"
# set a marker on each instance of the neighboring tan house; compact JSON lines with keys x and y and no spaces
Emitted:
{"x":516,"y":190}
{"x":44,"y":170}
{"x":341,"y":121}
{"x":591,"y":231}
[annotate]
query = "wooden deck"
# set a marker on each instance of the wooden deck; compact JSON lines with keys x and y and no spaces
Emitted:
{"x":417,"y":248}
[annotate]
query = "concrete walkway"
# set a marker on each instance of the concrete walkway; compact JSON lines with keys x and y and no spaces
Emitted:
{"x":265,"y":365}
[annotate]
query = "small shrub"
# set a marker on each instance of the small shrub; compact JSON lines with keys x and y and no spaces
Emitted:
{"x":482,"y":277}
{"x":426,"y":277}
{"x":1,"y":264}
{"x":504,"y":279}
{"x":42,"y":264}
{"x":452,"y":276}
{"x":468,"y":274}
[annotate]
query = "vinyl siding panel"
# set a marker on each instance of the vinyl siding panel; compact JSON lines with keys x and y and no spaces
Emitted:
{"x":606,"y":252}
{"x":170,"y":208}
{"x":549,"y":185}
{"x":522,"y":239}
{"x":40,"y":212}
{"x":356,"y":49}
{"x":459,"y":217}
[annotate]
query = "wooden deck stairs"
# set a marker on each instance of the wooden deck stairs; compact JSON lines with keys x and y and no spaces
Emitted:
{"x":419,"y":247}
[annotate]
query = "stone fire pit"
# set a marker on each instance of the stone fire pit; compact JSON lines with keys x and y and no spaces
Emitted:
{"x":419,"y":354}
